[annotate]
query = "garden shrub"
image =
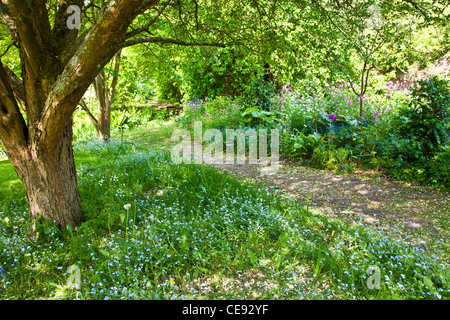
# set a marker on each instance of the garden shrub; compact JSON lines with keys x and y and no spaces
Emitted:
{"x":417,"y":146}
{"x":259,"y":94}
{"x":426,"y":120}
{"x":219,"y":113}
{"x":439,"y":169}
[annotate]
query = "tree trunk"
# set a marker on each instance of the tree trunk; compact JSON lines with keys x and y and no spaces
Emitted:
{"x":103,"y":108}
{"x":105,"y":98}
{"x":50,"y":182}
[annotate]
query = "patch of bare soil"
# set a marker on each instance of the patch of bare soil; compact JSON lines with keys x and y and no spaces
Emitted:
{"x":378,"y":202}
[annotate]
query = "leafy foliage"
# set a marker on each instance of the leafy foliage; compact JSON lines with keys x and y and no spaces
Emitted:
{"x":426,"y":120}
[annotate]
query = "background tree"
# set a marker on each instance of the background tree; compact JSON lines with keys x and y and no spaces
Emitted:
{"x":105,"y":84}
{"x":349,"y":40}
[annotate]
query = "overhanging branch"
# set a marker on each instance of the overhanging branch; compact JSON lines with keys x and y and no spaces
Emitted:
{"x":148,"y":24}
{"x":171,"y":41}
{"x":84,"y":106}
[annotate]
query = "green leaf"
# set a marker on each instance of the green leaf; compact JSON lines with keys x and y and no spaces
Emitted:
{"x":428,"y":283}
{"x":122,"y":244}
{"x":283,"y":240}
{"x":47,"y":230}
{"x":95,"y":278}
{"x":104,"y":252}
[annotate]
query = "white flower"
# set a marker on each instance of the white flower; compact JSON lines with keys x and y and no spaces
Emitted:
{"x":127,"y":206}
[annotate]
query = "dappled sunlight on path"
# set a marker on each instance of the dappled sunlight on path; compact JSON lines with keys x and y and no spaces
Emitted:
{"x":377,"y":202}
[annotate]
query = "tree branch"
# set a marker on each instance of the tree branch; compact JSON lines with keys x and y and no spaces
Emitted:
{"x":422,"y":11}
{"x":31,"y":19}
{"x":115,"y":78}
{"x":13,"y":130}
{"x":16,"y":86}
{"x":145,"y":5}
{"x":36,"y":45}
{"x":171,"y":41}
{"x":148,"y":24}
{"x":100,"y":44}
{"x":62,"y":34}
{"x":84,"y":106}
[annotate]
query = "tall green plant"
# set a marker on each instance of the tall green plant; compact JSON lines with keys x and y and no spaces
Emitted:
{"x":426,"y":119}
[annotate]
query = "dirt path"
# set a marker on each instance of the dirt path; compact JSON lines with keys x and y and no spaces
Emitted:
{"x":378,"y":202}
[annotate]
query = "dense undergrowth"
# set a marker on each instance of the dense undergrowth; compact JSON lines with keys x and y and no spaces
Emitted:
{"x":402,"y":132}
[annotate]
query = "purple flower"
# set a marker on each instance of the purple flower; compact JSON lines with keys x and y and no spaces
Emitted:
{"x":332,"y":117}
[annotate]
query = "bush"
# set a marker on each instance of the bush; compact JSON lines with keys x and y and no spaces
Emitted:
{"x":216,"y":72}
{"x":439,"y":169}
{"x":219,"y":113}
{"x":425,"y":122}
{"x":259,"y":94}
{"x":298,"y":146}
{"x":416,"y":148}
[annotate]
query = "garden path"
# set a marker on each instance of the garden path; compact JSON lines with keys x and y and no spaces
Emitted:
{"x":367,"y":198}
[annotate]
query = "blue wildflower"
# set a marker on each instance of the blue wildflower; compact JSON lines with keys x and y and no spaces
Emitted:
{"x":2,"y":273}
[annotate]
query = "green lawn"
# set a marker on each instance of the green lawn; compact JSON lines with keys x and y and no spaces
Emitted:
{"x":156,"y":230}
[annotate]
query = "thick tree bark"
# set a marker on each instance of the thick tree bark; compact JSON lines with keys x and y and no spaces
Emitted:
{"x":49,"y":177}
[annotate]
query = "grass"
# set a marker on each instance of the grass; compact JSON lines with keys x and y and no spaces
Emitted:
{"x":156,"y":230}
{"x":157,"y":136}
